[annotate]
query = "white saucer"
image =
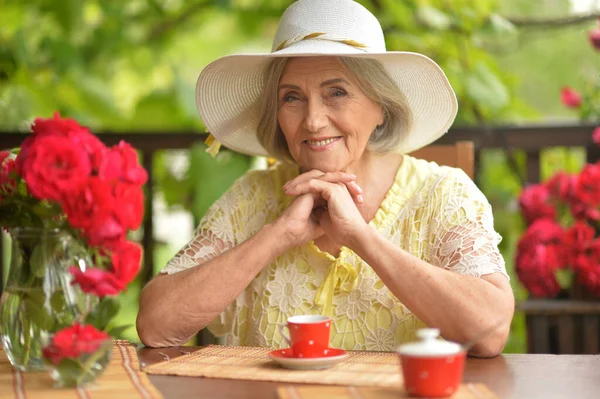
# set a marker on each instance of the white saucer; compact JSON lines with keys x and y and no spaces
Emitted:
{"x":284,"y":358}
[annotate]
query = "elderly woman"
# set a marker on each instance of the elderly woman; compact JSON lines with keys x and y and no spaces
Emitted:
{"x":346,"y":225}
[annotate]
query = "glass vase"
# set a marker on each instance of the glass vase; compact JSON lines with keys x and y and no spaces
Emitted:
{"x":38,"y":298}
{"x":84,"y":367}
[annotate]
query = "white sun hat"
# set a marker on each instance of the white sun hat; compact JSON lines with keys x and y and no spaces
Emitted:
{"x":228,"y":88}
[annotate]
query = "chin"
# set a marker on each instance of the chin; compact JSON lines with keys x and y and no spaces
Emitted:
{"x":324,"y":165}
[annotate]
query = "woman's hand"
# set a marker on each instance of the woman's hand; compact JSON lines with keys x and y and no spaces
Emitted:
{"x":340,"y":219}
{"x":297,"y":224}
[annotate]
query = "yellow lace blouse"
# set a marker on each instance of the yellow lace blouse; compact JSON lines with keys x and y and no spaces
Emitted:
{"x":435,"y":213}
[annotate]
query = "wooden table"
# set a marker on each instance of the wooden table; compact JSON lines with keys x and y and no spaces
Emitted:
{"x":509,"y":376}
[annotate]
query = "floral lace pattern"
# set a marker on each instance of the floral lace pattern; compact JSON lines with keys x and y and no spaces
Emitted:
{"x":435,"y":213}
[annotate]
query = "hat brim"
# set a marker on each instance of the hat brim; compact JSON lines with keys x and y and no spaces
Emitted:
{"x":228,"y":89}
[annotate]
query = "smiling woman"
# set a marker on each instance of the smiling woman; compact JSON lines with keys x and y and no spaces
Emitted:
{"x":346,"y":224}
{"x":367,"y":80}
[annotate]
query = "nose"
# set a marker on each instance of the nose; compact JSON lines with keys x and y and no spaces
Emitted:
{"x":316,"y":115}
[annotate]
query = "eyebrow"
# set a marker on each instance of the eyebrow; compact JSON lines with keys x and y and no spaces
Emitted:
{"x":323,"y":84}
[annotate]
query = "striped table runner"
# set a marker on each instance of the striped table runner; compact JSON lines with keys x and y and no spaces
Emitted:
{"x":121,"y":379}
{"x":465,"y":391}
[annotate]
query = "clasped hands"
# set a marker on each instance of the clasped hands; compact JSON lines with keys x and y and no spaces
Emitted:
{"x":325,"y":203}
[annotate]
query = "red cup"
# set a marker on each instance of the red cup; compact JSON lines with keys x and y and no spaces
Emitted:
{"x":432,"y":368}
{"x":309,"y":335}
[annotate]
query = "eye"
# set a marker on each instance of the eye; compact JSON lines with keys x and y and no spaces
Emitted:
{"x":290,"y":97}
{"x":337,"y":92}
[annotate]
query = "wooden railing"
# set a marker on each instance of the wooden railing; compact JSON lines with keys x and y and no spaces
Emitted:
{"x":531,"y":139}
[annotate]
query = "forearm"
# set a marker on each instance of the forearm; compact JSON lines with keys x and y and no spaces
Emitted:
{"x":460,"y":306}
{"x":175,"y":307}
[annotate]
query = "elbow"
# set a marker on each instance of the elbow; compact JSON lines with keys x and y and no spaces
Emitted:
{"x":492,"y":345}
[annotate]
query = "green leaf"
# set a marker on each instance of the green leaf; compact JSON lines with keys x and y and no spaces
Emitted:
{"x":565,"y":278}
{"x":38,"y":260}
{"x":38,"y":314}
{"x":499,"y":24}
{"x":434,"y":18}
{"x":103,"y":313}
{"x":70,"y":370}
{"x":58,"y":302}
{"x":118,"y":330}
{"x":486,"y":89}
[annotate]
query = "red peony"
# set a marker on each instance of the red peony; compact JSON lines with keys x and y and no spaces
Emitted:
{"x":587,"y":188}
{"x":96,"y":281}
{"x":570,"y":98}
{"x":74,"y":341}
{"x":126,"y":261}
{"x":121,"y":164}
{"x":129,"y":200}
{"x":534,"y":203}
{"x":539,"y":254}
{"x":54,"y":168}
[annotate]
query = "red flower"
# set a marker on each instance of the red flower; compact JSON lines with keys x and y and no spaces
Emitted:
{"x":96,"y":281}
{"x":588,"y":268}
{"x":577,"y":240}
{"x":126,"y":261}
{"x":539,"y":253}
{"x":130,"y":205}
{"x":534,"y":203}
{"x":596,"y":136}
{"x":594,"y":36}
{"x":570,"y":98}
{"x":89,"y":205}
{"x":120,"y":163}
{"x":54,"y":168}
{"x":587,"y":188}
{"x":73,"y":341}
{"x":106,"y":232}
{"x":583,"y":211}
{"x":562,"y":186}
{"x":67,"y":128}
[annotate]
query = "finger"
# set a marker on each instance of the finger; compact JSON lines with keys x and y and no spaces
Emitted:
{"x":316,"y":186}
{"x":333,"y":177}
{"x":304,"y":187}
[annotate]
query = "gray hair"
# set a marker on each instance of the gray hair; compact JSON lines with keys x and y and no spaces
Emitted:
{"x":374,"y":81}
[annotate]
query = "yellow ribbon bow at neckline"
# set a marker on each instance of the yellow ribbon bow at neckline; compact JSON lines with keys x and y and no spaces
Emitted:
{"x":341,"y":274}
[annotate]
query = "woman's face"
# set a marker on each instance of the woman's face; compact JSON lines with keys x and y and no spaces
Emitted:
{"x":325,"y":118}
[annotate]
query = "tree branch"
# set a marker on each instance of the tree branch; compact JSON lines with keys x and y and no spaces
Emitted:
{"x":168,"y":24}
{"x":552,"y":22}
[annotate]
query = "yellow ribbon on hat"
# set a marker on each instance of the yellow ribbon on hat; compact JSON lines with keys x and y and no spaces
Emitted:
{"x":341,"y":274}
{"x":320,"y":36}
{"x":213,"y":144}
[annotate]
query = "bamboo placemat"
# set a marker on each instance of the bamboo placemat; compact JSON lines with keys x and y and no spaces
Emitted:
{"x":465,"y":391}
{"x":251,"y":363}
{"x":121,"y":379}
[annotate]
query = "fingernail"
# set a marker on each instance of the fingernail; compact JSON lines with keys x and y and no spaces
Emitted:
{"x":359,"y":198}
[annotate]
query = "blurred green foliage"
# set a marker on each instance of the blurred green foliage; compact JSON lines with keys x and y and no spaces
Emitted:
{"x":131,"y":66}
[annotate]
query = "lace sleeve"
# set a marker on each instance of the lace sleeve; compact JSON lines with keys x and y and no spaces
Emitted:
{"x":213,"y":236}
{"x":463,"y":238}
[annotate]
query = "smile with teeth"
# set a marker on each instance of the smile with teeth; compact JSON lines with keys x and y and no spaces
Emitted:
{"x":322,"y":142}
